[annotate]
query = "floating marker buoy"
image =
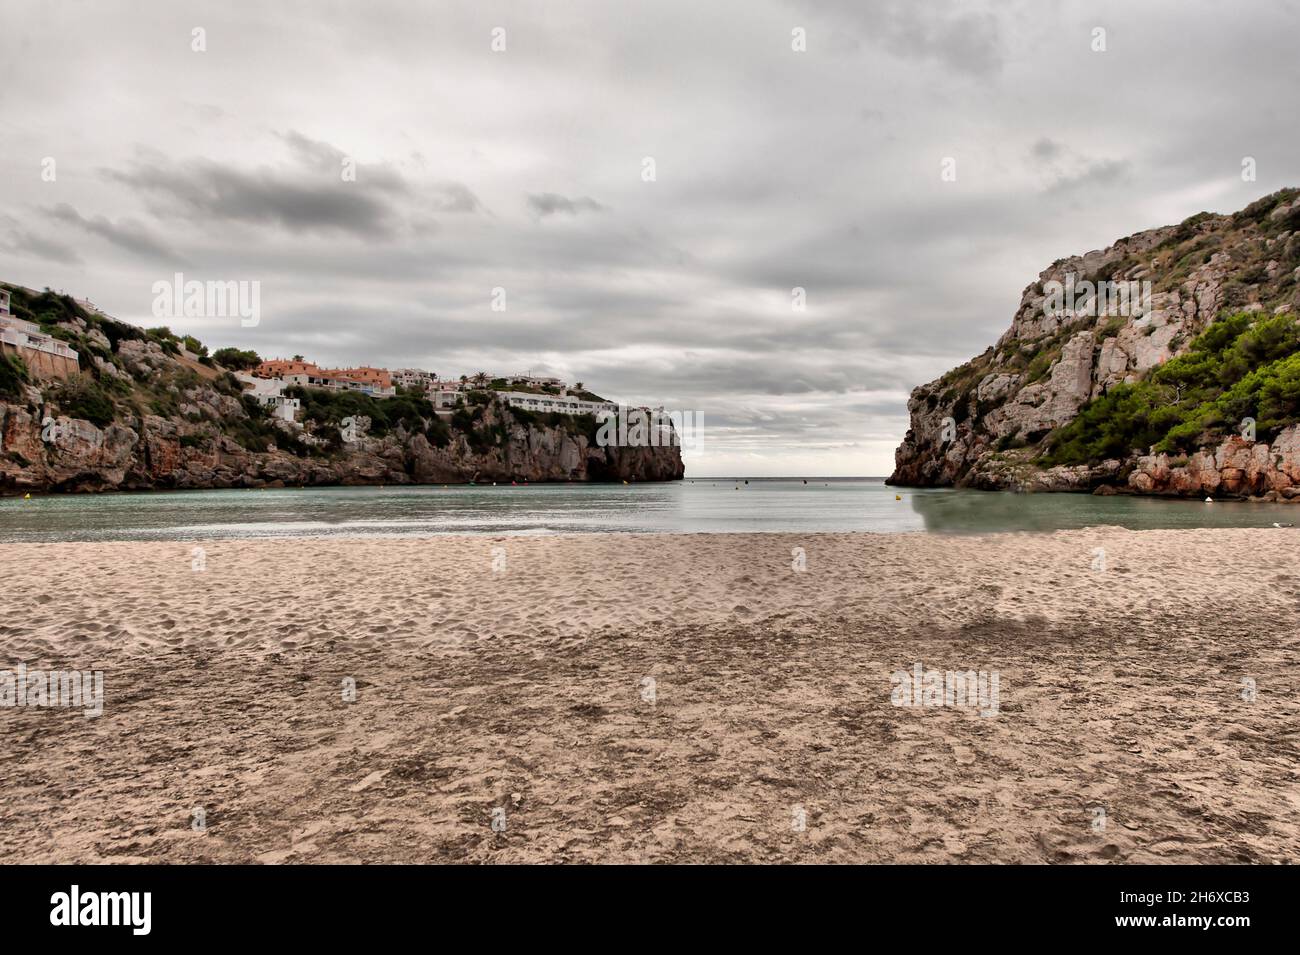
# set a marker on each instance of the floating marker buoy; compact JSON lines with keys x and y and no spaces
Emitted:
{"x":1209,"y":500}
{"x":27,"y":497}
{"x":897,"y":497}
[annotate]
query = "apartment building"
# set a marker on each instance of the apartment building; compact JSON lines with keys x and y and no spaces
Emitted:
{"x":563,"y":404}
{"x":45,"y":356}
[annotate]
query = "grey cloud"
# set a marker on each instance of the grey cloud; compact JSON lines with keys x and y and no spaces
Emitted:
{"x":454,"y":197}
{"x":329,"y":161}
{"x":310,"y":194}
{"x":549,"y":203}
{"x":126,"y":234}
{"x":204,"y":191}
{"x":1046,"y":149}
{"x":1097,"y":173}
{"x":950,"y":33}
{"x":18,"y":241}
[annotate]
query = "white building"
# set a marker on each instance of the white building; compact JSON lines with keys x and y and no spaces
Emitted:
{"x":445,"y":398}
{"x":536,"y":382}
{"x":44,"y":355}
{"x":415,"y":378}
{"x":563,"y":404}
{"x":270,"y":393}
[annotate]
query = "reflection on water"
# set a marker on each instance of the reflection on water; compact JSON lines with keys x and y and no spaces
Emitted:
{"x":699,"y":505}
{"x":972,"y":512}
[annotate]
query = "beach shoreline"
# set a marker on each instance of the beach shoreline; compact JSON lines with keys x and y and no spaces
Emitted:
{"x":658,"y":698}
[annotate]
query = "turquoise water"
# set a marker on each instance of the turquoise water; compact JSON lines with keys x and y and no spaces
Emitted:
{"x":699,"y":505}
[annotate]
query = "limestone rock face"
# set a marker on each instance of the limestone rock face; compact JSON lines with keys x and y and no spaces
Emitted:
{"x":45,"y":453}
{"x":155,"y":452}
{"x":983,"y":423}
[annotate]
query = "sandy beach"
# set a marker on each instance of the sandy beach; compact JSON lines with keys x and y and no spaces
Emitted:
{"x":658,"y":698}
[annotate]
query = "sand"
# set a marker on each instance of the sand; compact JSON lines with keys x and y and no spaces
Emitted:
{"x":506,"y":716}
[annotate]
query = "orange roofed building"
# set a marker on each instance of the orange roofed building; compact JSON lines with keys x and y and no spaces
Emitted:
{"x":377,"y":378}
{"x":372,"y":381}
{"x":281,"y":367}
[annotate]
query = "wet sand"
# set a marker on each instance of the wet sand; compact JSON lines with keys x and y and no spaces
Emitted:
{"x":659,"y":698}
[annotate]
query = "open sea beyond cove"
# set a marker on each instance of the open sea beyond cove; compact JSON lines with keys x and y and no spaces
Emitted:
{"x":697,"y":505}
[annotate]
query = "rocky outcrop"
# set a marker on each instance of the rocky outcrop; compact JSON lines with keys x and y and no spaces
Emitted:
{"x":1236,"y":468}
{"x":154,"y":452}
{"x":144,"y":413}
{"x":988,"y":423}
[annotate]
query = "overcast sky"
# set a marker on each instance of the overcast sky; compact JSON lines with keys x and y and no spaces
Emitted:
{"x":524,"y":170}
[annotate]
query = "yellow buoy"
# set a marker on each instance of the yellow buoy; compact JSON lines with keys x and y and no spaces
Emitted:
{"x":27,"y":497}
{"x":897,"y":497}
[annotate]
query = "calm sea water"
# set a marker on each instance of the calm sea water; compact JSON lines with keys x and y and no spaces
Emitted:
{"x":699,"y":505}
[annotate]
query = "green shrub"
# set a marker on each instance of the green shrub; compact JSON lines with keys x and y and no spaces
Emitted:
{"x":412,"y":412}
{"x":13,"y":375}
{"x":83,"y":398}
{"x":1242,"y":365}
{"x":238,"y":359}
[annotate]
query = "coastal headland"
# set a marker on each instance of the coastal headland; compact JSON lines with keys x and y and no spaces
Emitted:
{"x":1165,"y":364}
{"x":89,"y":403}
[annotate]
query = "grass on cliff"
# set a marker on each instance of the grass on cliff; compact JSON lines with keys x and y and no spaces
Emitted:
{"x":1242,"y":366}
{"x":13,"y":376}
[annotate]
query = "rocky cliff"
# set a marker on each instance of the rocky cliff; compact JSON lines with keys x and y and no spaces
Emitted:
{"x":150,"y":410}
{"x":1168,"y":363}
